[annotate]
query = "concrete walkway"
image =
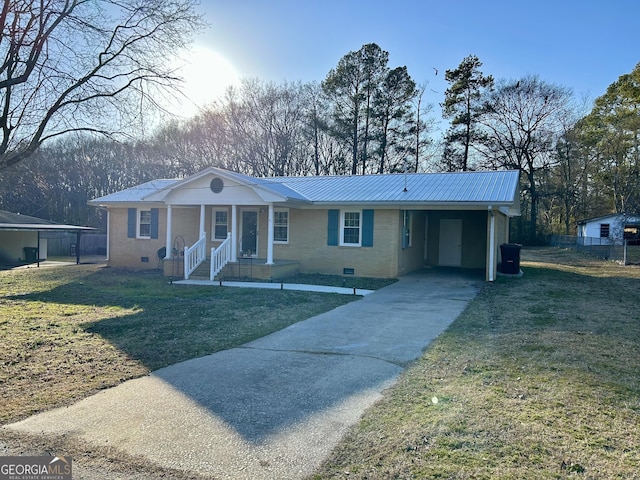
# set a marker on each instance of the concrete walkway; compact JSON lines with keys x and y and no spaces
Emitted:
{"x":274,"y":407}
{"x":303,"y":287}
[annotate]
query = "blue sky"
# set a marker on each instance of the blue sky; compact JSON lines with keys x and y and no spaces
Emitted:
{"x":585,"y":45}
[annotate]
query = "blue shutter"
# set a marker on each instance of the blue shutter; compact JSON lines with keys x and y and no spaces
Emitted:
{"x":131,"y":222}
{"x":367,"y":228}
{"x":333,"y":227}
{"x":154,"y":222}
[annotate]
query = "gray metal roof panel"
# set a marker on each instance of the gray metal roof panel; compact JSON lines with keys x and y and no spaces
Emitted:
{"x":134,"y":194}
{"x":463,"y":187}
{"x":486,"y":187}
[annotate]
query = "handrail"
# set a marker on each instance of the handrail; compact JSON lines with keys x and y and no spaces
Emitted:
{"x":194,"y":255}
{"x":220,"y":256}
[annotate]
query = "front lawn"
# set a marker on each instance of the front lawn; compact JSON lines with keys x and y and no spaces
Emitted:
{"x":70,"y":331}
{"x":538,"y":378}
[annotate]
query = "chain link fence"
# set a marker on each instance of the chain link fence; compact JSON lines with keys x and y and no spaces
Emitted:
{"x":624,"y":254}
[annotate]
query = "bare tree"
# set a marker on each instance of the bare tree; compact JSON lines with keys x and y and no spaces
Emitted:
{"x":524,"y":120}
{"x":84,"y":65}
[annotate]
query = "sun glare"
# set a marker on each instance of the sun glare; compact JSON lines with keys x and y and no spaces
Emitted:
{"x":206,"y":74}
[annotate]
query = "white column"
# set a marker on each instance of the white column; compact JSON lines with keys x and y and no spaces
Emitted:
{"x":492,"y":246}
{"x":270,"y":236}
{"x":201,"y":220}
{"x":234,"y":233}
{"x":168,"y":239}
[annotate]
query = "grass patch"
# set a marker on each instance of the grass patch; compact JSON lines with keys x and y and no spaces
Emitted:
{"x":538,"y":378}
{"x":70,"y":331}
{"x":366,"y":283}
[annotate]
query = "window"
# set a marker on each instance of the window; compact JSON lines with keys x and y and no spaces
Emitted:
{"x":144,"y":223}
{"x":350,"y":228}
{"x":604,"y":230}
{"x":281,"y":226}
{"x":350,"y":234}
{"x":220,"y":224}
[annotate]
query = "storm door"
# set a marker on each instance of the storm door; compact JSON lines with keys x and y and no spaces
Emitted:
{"x":249,"y":235}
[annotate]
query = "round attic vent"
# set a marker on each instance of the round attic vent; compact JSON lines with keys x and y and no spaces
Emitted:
{"x":216,"y":185}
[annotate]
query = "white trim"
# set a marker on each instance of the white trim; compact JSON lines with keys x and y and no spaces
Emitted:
{"x":492,"y":245}
{"x":270,"y":223}
{"x":168,"y":246}
{"x":214,"y":224}
{"x":108,"y":233}
{"x":280,"y":210}
{"x":139,"y":212}
{"x":202,"y":208}
{"x":341,"y":241}
{"x":234,"y":233}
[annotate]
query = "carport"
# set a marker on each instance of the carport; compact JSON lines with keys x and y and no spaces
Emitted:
{"x":20,"y":240}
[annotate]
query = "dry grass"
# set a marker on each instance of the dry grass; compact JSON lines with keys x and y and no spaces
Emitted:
{"x":68,"y":332}
{"x":537,"y":379}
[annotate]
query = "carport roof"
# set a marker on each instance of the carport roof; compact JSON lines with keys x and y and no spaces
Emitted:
{"x":16,"y":221}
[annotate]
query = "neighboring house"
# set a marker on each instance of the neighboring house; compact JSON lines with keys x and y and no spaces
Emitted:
{"x":21,"y":240}
{"x":368,"y":226}
{"x":609,"y":230}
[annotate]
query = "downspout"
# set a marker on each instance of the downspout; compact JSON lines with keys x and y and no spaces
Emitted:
{"x":492,"y":244}
{"x":108,"y":229}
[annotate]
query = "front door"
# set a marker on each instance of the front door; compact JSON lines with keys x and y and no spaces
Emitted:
{"x":249,"y":236}
{"x":450,"y":249}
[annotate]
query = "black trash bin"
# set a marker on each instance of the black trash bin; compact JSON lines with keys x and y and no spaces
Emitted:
{"x":30,"y":254}
{"x":510,"y":258}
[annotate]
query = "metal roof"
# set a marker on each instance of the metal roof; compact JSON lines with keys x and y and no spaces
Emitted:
{"x":460,"y":187}
{"x":481,"y":188}
{"x":627,"y":217}
{"x":16,"y":221}
{"x":135,"y":194}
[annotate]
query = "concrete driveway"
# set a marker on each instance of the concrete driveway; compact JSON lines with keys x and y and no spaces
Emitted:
{"x":274,"y":407}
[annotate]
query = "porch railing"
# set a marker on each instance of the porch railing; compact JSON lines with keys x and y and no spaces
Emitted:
{"x":220,"y":256}
{"x":194,"y":255}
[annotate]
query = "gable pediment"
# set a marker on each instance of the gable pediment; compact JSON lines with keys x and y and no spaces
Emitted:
{"x":214,"y":187}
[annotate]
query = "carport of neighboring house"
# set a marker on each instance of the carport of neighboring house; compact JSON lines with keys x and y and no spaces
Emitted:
{"x":369,"y":226}
{"x":21,"y":240}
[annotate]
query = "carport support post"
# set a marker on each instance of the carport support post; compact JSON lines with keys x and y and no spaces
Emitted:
{"x":78,"y":233}
{"x":38,"y":250}
{"x":492,"y":246}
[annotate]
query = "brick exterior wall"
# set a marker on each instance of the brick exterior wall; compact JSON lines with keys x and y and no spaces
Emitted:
{"x":308,"y":240}
{"x":308,"y":244}
{"x":132,"y":252}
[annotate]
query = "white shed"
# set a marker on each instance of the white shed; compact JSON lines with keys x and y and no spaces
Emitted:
{"x":609,"y":230}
